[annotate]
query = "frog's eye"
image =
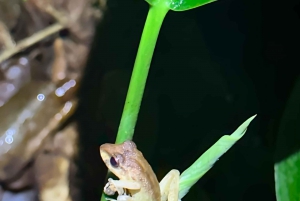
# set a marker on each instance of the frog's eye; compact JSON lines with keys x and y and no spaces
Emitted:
{"x":113,"y":162}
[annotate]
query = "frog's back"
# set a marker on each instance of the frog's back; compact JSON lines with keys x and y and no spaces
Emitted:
{"x":143,"y":173}
{"x":144,"y":195}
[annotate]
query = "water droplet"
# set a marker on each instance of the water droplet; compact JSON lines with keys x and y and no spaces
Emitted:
{"x":40,"y":97}
{"x":13,"y":72}
{"x":10,"y":132}
{"x":9,"y":139}
{"x":66,"y":86}
{"x":23,"y":61}
{"x":60,"y":92}
{"x":72,"y":83}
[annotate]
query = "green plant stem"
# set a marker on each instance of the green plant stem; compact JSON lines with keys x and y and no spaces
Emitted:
{"x":139,"y":76}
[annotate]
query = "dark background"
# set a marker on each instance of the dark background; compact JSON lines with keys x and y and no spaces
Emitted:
{"x":213,"y":67}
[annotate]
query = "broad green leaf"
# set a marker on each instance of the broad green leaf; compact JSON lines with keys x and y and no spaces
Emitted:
{"x":287,"y":178}
{"x":180,"y":5}
{"x":287,"y":154}
{"x":191,"y":175}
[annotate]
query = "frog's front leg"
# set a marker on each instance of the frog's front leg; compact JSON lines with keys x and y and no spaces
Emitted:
{"x":169,"y":186}
{"x":112,"y":187}
{"x":118,"y":186}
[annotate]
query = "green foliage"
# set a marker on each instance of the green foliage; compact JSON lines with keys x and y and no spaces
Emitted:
{"x":287,"y":178}
{"x":180,"y":5}
{"x":191,"y":175}
{"x":287,"y":168}
{"x":156,"y":15}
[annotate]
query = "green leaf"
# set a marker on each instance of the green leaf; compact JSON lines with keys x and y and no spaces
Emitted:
{"x":191,"y":175}
{"x":287,"y":178}
{"x":180,"y":5}
{"x":287,"y":154}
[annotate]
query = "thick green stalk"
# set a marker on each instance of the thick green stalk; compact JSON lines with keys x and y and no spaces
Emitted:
{"x":139,"y":76}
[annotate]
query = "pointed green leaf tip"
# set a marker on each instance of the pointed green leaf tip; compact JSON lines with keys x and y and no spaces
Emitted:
{"x":180,"y":5}
{"x":241,"y":130}
{"x":191,"y":175}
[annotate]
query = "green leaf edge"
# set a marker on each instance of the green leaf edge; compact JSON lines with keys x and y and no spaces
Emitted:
{"x":171,"y":6}
{"x":205,"y":162}
{"x":283,"y":182}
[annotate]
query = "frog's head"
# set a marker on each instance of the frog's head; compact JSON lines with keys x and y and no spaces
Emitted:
{"x":124,"y":160}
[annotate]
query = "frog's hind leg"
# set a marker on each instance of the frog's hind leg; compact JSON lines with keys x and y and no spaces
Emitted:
{"x":169,"y":186}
